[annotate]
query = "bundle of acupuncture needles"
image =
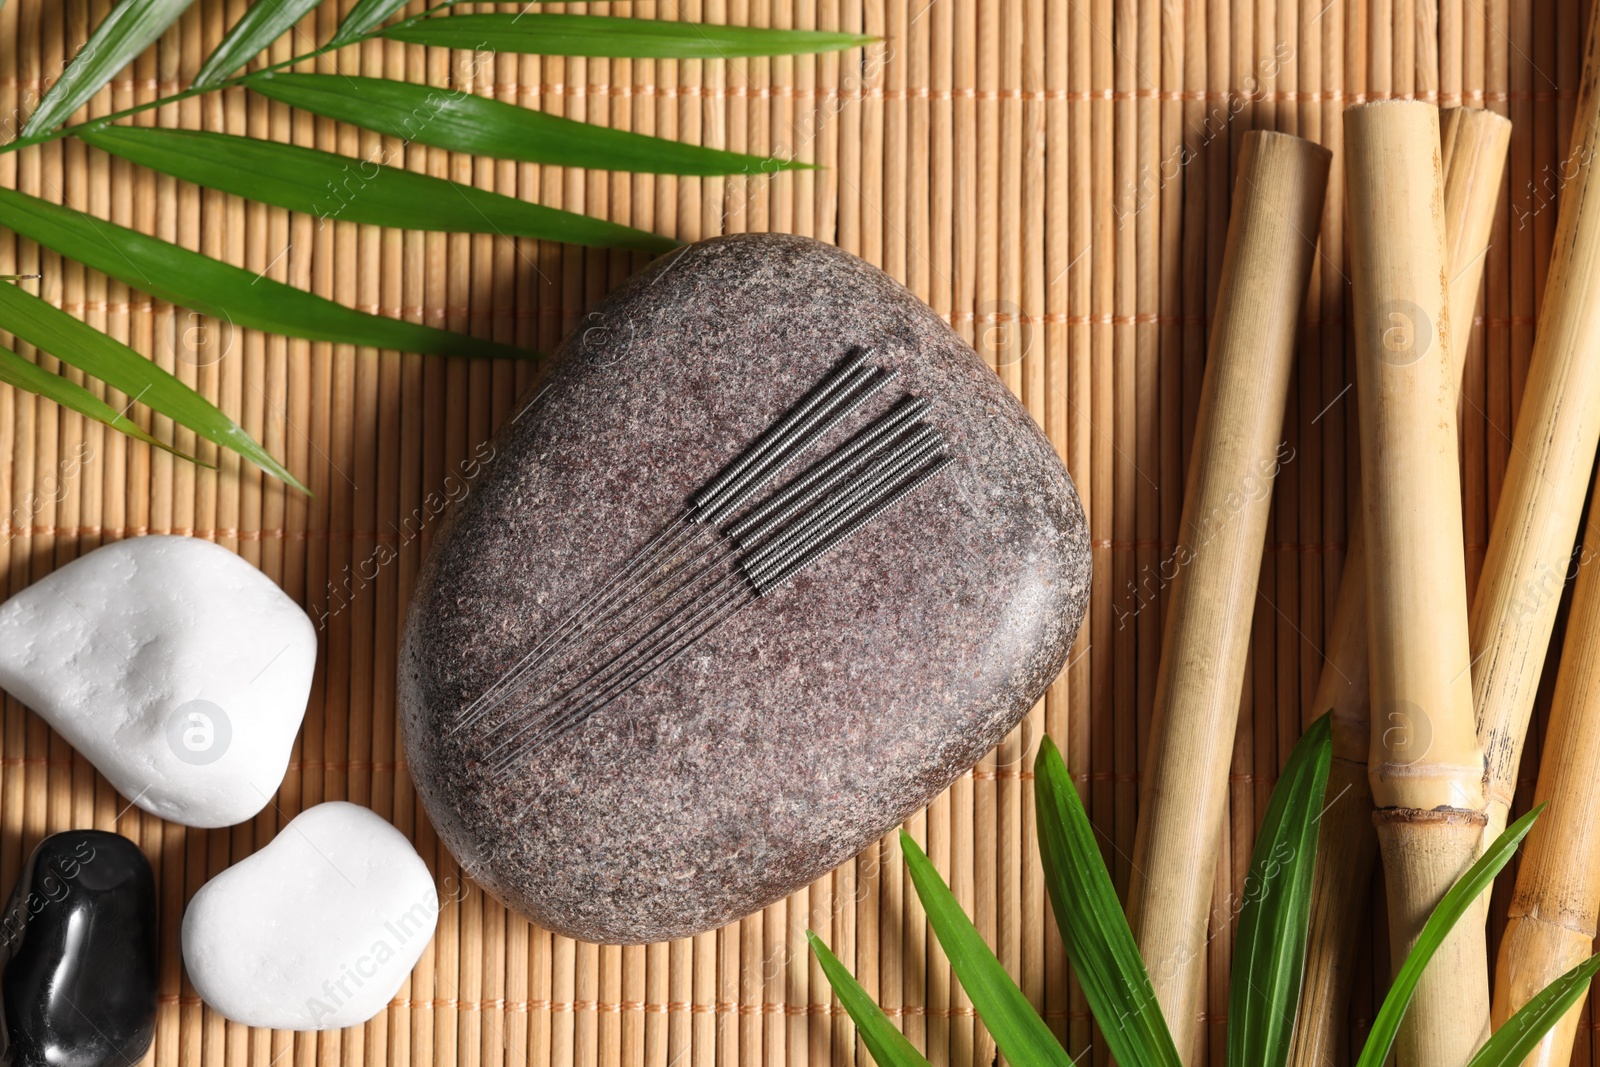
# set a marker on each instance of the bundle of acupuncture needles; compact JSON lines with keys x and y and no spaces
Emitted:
{"x":715,"y":558}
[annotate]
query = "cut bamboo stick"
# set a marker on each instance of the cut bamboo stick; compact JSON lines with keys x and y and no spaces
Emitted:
{"x":1271,"y":241}
{"x":1473,"y":144}
{"x":1553,"y":449}
{"x":1425,"y":765}
{"x":1558,"y":887}
{"x":1473,"y":147}
{"x":1554,"y":910}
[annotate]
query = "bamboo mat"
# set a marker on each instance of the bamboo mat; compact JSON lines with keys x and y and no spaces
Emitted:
{"x":1052,"y":176}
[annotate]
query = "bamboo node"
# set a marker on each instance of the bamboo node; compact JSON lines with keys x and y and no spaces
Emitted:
{"x":1441,"y":816}
{"x":1565,"y":921}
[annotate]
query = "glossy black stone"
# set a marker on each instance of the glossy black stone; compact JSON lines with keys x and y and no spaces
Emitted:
{"x":79,"y":986}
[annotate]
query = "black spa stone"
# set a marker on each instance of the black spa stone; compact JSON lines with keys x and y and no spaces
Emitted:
{"x":79,"y":984}
{"x":811,"y":722}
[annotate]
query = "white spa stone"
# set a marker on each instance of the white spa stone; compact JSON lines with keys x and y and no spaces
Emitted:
{"x":316,"y":931}
{"x":178,"y":669}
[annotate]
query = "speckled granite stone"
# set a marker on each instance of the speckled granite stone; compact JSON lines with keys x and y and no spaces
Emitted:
{"x":811,"y":723}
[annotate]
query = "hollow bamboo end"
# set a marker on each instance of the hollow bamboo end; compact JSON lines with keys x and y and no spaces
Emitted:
{"x":1473,"y":145}
{"x":1265,"y":141}
{"x":1422,"y":118}
{"x":1460,"y":126}
{"x":1288,"y":175}
{"x":1395,"y":188}
{"x":1392,"y":104}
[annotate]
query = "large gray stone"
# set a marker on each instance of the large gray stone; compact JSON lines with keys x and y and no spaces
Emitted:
{"x":789,"y":738}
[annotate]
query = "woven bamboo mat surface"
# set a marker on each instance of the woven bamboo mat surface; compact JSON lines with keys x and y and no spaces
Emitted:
{"x":1052,"y":176}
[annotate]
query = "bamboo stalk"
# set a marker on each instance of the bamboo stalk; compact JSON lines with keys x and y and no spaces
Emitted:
{"x":1554,"y":909}
{"x":1425,"y":765}
{"x":1473,"y":147}
{"x":1557,"y":892}
{"x":1226,"y":37}
{"x":1278,"y":203}
{"x":1473,"y":144}
{"x":1553,"y":448}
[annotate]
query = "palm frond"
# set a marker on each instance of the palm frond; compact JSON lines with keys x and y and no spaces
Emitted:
{"x":73,"y":341}
{"x":263,"y":23}
{"x":226,"y":292}
{"x":888,"y":1045}
{"x":1269,"y":953}
{"x":616,"y":38}
{"x":1093,"y":929}
{"x":128,"y":30}
{"x":14,"y":370}
{"x":364,"y":18}
{"x":330,"y":186}
{"x":474,"y":125}
{"x":1018,"y":1031}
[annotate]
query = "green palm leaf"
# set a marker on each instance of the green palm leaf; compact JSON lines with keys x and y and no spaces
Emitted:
{"x":1099,"y":944}
{"x":338,"y":187}
{"x":332,"y":186}
{"x":1451,"y":907}
{"x":221,"y":290}
{"x":462,"y":122}
{"x":1018,"y":1032}
{"x":47,"y":327}
{"x":888,"y":1045}
{"x":363,"y":17}
{"x":14,"y":370}
{"x":1520,"y":1035}
{"x":122,"y":35}
{"x":622,"y":38}
{"x":264,"y":23}
{"x":1270,"y":952}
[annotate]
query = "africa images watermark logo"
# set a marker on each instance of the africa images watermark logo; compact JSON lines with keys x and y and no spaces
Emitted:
{"x":198,"y":340}
{"x":1405,"y":333}
{"x":198,"y":732}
